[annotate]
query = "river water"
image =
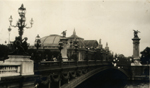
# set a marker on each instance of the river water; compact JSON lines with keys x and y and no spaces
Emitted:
{"x":137,"y":84}
{"x":130,"y":84}
{"x":112,"y":79}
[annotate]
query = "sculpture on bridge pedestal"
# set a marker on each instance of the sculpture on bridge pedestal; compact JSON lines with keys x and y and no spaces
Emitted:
{"x":20,"y":47}
{"x":136,"y":33}
{"x":64,"y":33}
{"x":19,"y":55}
{"x":136,"y":43}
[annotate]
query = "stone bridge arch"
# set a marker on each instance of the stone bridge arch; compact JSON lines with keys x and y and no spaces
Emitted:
{"x":127,"y":74}
{"x":77,"y":81}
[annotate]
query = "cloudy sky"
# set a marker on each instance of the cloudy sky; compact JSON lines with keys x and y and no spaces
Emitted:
{"x":111,"y":21}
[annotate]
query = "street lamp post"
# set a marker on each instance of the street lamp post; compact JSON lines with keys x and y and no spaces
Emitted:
{"x":37,"y":42}
{"x":75,"y":44}
{"x":9,"y":29}
{"x":60,"y":55}
{"x":87,"y":50}
{"x":18,"y":43}
{"x":94,"y":56}
{"x":60,"y":48}
{"x":5,"y":42}
{"x":87,"y":58}
{"x":21,"y":22}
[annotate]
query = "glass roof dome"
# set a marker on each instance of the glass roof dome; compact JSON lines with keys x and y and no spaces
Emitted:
{"x":51,"y":40}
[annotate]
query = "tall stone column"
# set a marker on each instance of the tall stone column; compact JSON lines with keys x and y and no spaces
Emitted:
{"x":136,"y":42}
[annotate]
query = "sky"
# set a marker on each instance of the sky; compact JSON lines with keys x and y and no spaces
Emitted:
{"x":112,"y":21}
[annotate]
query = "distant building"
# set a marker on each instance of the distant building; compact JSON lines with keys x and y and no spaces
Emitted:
{"x":50,"y":44}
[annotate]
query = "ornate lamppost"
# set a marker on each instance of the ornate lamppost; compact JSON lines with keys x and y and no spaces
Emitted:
{"x":94,"y":56}
{"x":21,"y":22}
{"x":18,"y":43}
{"x":75,"y":44}
{"x":101,"y":54}
{"x":37,"y":42}
{"x":9,"y":29}
{"x":60,"y":48}
{"x":86,"y":51}
{"x":5,"y":42}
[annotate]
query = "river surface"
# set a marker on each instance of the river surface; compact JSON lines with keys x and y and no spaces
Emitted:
{"x":137,"y":84}
{"x":112,"y":79}
{"x":130,"y":84}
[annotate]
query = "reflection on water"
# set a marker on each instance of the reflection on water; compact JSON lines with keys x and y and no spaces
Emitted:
{"x":108,"y":84}
{"x":138,"y":84}
{"x":112,"y":79}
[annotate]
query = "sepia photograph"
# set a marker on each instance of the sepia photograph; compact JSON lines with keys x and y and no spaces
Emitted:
{"x":74,"y":43}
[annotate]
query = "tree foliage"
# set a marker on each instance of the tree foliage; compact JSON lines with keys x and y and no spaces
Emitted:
{"x":3,"y":52}
{"x":145,"y":58}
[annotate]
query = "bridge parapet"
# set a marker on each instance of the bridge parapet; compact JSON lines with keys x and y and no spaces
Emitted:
{"x":140,"y":72}
{"x":9,"y":70}
{"x":17,"y":72}
{"x":24,"y":61}
{"x":136,"y":72}
{"x":57,"y":73}
{"x":57,"y":64}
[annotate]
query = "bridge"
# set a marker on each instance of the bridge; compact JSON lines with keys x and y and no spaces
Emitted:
{"x":57,"y":61}
{"x":69,"y":74}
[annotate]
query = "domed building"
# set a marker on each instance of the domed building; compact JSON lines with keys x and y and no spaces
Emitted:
{"x":80,"y":46}
{"x":50,"y":46}
{"x":51,"y":41}
{"x":83,"y":45}
{"x":74,"y":37}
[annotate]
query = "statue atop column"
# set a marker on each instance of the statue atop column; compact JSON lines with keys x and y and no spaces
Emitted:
{"x":136,"y":49}
{"x":136,"y":33}
{"x":64,"y":33}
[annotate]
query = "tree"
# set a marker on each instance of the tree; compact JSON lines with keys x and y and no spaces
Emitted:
{"x":3,"y":52}
{"x":145,"y":58}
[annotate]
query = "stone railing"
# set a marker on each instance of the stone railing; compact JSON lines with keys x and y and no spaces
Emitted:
{"x":9,"y":70}
{"x":141,"y":70}
{"x":25,"y":62}
{"x":67,"y":64}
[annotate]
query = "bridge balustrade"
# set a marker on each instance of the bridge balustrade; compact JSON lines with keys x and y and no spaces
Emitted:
{"x":67,"y":64}
{"x":91,"y":62}
{"x":9,"y":70}
{"x":82,"y":63}
{"x":47,"y":64}
{"x":98,"y":62}
{"x":61,"y":73}
{"x":140,"y":70}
